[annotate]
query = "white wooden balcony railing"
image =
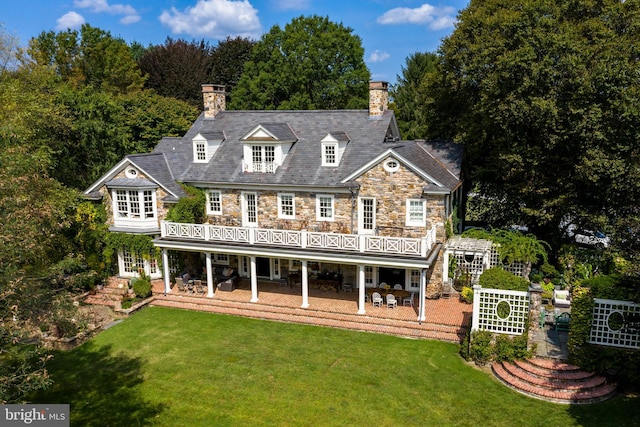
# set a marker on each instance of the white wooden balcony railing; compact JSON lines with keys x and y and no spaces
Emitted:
{"x":302,"y":239}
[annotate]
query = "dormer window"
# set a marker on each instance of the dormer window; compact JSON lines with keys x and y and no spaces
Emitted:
{"x":333,"y":146}
{"x":329,"y":154}
{"x":266,"y":147}
{"x":205,"y":146}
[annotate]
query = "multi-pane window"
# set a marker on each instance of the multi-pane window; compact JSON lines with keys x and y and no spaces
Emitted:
{"x":201,"y":151}
{"x":415,"y":279}
{"x":368,"y":275}
{"x":214,"y":202}
{"x":324,"y":208}
{"x":263,"y":158}
{"x":286,"y":206}
{"x":130,"y":204}
{"x":416,"y":212}
{"x":329,"y":154}
{"x":133,"y":262}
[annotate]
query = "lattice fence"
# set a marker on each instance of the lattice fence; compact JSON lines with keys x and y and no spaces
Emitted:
{"x":615,"y":323}
{"x":471,"y":264}
{"x":500,"y":311}
{"x":517,"y":268}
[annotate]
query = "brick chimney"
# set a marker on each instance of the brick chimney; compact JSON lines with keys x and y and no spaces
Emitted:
{"x":378,"y":99}
{"x":214,"y":99}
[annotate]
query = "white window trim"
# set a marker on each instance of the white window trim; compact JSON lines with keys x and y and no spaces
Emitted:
{"x":209,"y":210}
{"x":142,"y":218}
{"x":335,"y":147}
{"x":293,"y":205}
{"x":361,"y":229}
{"x":318,"y":210}
{"x":422,"y":221}
{"x":203,"y":143}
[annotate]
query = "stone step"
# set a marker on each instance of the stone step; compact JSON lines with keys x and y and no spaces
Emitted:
{"x":553,"y":370}
{"x":553,"y":387}
{"x":305,"y":316}
{"x":555,"y":381}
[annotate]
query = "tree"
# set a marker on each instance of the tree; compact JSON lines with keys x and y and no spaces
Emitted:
{"x":9,"y":50}
{"x":312,"y":64}
{"x":544,"y":95}
{"x":89,"y":58}
{"x":227,"y":61}
{"x":177,"y":69}
{"x":406,"y":94}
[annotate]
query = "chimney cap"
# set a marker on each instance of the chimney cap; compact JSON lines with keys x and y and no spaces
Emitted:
{"x":212,"y":87}
{"x":379,"y":84}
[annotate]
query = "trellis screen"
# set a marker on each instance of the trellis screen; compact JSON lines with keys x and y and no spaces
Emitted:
{"x":500,"y":311}
{"x":516,"y":267}
{"x":615,"y":323}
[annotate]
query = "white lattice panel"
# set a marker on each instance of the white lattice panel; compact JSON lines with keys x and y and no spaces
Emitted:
{"x":615,"y":323}
{"x":516,"y":268}
{"x":514,"y":319}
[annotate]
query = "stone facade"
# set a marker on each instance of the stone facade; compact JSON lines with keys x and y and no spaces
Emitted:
{"x":378,"y":99}
{"x":214,"y":99}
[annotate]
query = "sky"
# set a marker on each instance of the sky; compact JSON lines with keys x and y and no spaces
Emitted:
{"x":390,"y":30}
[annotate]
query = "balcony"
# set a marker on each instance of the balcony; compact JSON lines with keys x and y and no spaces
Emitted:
{"x":290,"y":239}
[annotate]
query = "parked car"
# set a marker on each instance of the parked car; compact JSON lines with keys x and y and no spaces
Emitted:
{"x":587,"y":237}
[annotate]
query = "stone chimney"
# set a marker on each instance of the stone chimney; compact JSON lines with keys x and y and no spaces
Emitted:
{"x":214,"y":99}
{"x":378,"y":99}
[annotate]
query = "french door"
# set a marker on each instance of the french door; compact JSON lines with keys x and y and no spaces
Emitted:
{"x":249,"y":209}
{"x":367,"y":215}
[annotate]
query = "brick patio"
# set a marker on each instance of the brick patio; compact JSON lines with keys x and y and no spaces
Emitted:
{"x":446,"y":319}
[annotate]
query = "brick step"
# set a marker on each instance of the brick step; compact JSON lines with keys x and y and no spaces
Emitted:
{"x":456,"y":330}
{"x":588,"y":390}
{"x":303,"y":316}
{"x":100,"y":300}
{"x":554,"y":382}
{"x":549,"y":370}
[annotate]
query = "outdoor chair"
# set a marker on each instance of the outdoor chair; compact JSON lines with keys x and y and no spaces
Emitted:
{"x":181,"y":285}
{"x":397,"y":286}
{"x":186,"y":286}
{"x":376,"y":299}
{"x":561,"y":298}
{"x":199,"y":287}
{"x":408,"y":301}
{"x":391,"y":301}
{"x":563,"y":321}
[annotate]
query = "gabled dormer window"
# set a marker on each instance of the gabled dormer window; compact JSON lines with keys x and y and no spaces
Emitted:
{"x":205,"y":146}
{"x":329,"y":154}
{"x":266,"y":147}
{"x":332,"y":148}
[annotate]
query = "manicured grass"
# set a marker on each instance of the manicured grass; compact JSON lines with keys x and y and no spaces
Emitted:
{"x":171,"y":367}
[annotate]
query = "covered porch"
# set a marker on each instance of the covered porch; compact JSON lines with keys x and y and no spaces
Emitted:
{"x":445,"y":319}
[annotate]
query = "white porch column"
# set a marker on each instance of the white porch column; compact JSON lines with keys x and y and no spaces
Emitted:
{"x":254,"y":280}
{"x":165,"y":270}
{"x":423,"y":287}
{"x":361,"y":289}
{"x":445,"y":267}
{"x":210,"y":272}
{"x":475,"y":314}
{"x":304,"y":279}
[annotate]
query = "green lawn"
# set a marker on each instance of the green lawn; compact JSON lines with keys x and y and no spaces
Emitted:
{"x":170,"y":367}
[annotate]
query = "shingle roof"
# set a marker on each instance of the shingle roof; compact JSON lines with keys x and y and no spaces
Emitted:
{"x":302,"y":166}
{"x":156,"y":166}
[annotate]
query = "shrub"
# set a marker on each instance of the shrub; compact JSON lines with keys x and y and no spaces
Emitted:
{"x":480,"y":347}
{"x":466,"y":295}
{"x":142,"y":287}
{"x":497,"y":278}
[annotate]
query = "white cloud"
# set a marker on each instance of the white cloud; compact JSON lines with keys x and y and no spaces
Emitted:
{"x":378,"y":56}
{"x":215,"y":19}
{"x":70,"y":20}
{"x":99,"y":6}
{"x":437,"y":18}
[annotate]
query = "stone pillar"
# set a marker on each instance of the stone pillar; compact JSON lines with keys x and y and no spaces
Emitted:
{"x":304,"y":280}
{"x":535,"y":309}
